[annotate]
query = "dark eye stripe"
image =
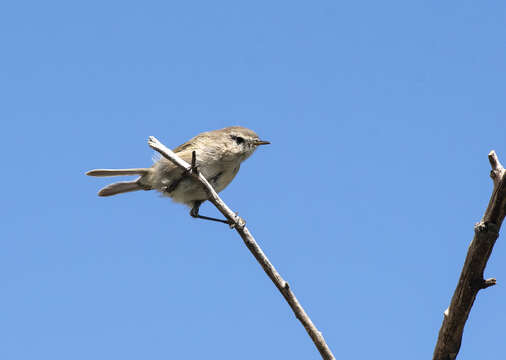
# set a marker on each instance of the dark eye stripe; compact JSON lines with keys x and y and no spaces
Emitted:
{"x":239,"y":140}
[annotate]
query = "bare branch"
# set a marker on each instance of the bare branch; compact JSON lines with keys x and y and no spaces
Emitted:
{"x":471,"y":278}
{"x":240,"y":226}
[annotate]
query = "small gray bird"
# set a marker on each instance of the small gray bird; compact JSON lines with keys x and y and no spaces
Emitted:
{"x":219,"y":156}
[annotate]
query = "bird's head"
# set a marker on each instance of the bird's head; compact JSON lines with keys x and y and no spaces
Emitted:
{"x":242,"y":141}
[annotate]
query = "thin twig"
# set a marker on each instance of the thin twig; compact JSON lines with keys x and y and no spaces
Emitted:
{"x":240,"y":226}
{"x":194,"y":161}
{"x":471,"y":278}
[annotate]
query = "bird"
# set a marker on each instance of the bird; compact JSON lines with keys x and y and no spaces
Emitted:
{"x":219,"y":154}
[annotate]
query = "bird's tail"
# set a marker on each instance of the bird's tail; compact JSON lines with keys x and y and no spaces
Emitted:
{"x":122,"y":186}
{"x":117,"y":172}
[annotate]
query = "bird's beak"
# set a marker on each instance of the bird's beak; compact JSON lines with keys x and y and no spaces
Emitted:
{"x":261,"y":142}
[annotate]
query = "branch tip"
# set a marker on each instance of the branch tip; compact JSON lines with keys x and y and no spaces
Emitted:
{"x":494,"y":161}
{"x":488,"y":283}
{"x":152,"y":139}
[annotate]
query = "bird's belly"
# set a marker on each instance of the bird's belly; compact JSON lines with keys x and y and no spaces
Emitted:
{"x":189,"y":190}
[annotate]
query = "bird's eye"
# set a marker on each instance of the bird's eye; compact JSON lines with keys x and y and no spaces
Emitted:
{"x":239,"y":140}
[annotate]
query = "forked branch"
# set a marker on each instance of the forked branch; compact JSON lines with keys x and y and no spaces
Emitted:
{"x":240,"y":226}
{"x":471,"y":278}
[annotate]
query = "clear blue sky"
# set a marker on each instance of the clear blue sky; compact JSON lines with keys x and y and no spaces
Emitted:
{"x":380,"y":114}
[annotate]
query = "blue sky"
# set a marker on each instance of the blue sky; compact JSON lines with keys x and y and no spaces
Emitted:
{"x":380,"y":114}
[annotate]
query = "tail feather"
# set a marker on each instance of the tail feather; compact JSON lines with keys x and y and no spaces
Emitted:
{"x":120,"y":187}
{"x":117,"y":172}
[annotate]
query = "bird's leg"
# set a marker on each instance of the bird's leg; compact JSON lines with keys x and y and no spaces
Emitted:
{"x":194,"y":212}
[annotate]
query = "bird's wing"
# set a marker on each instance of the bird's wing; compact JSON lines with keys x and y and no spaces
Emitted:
{"x":186,"y":155}
{"x":183,"y":147}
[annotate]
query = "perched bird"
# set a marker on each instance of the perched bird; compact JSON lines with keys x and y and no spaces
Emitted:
{"x":219,"y":156}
